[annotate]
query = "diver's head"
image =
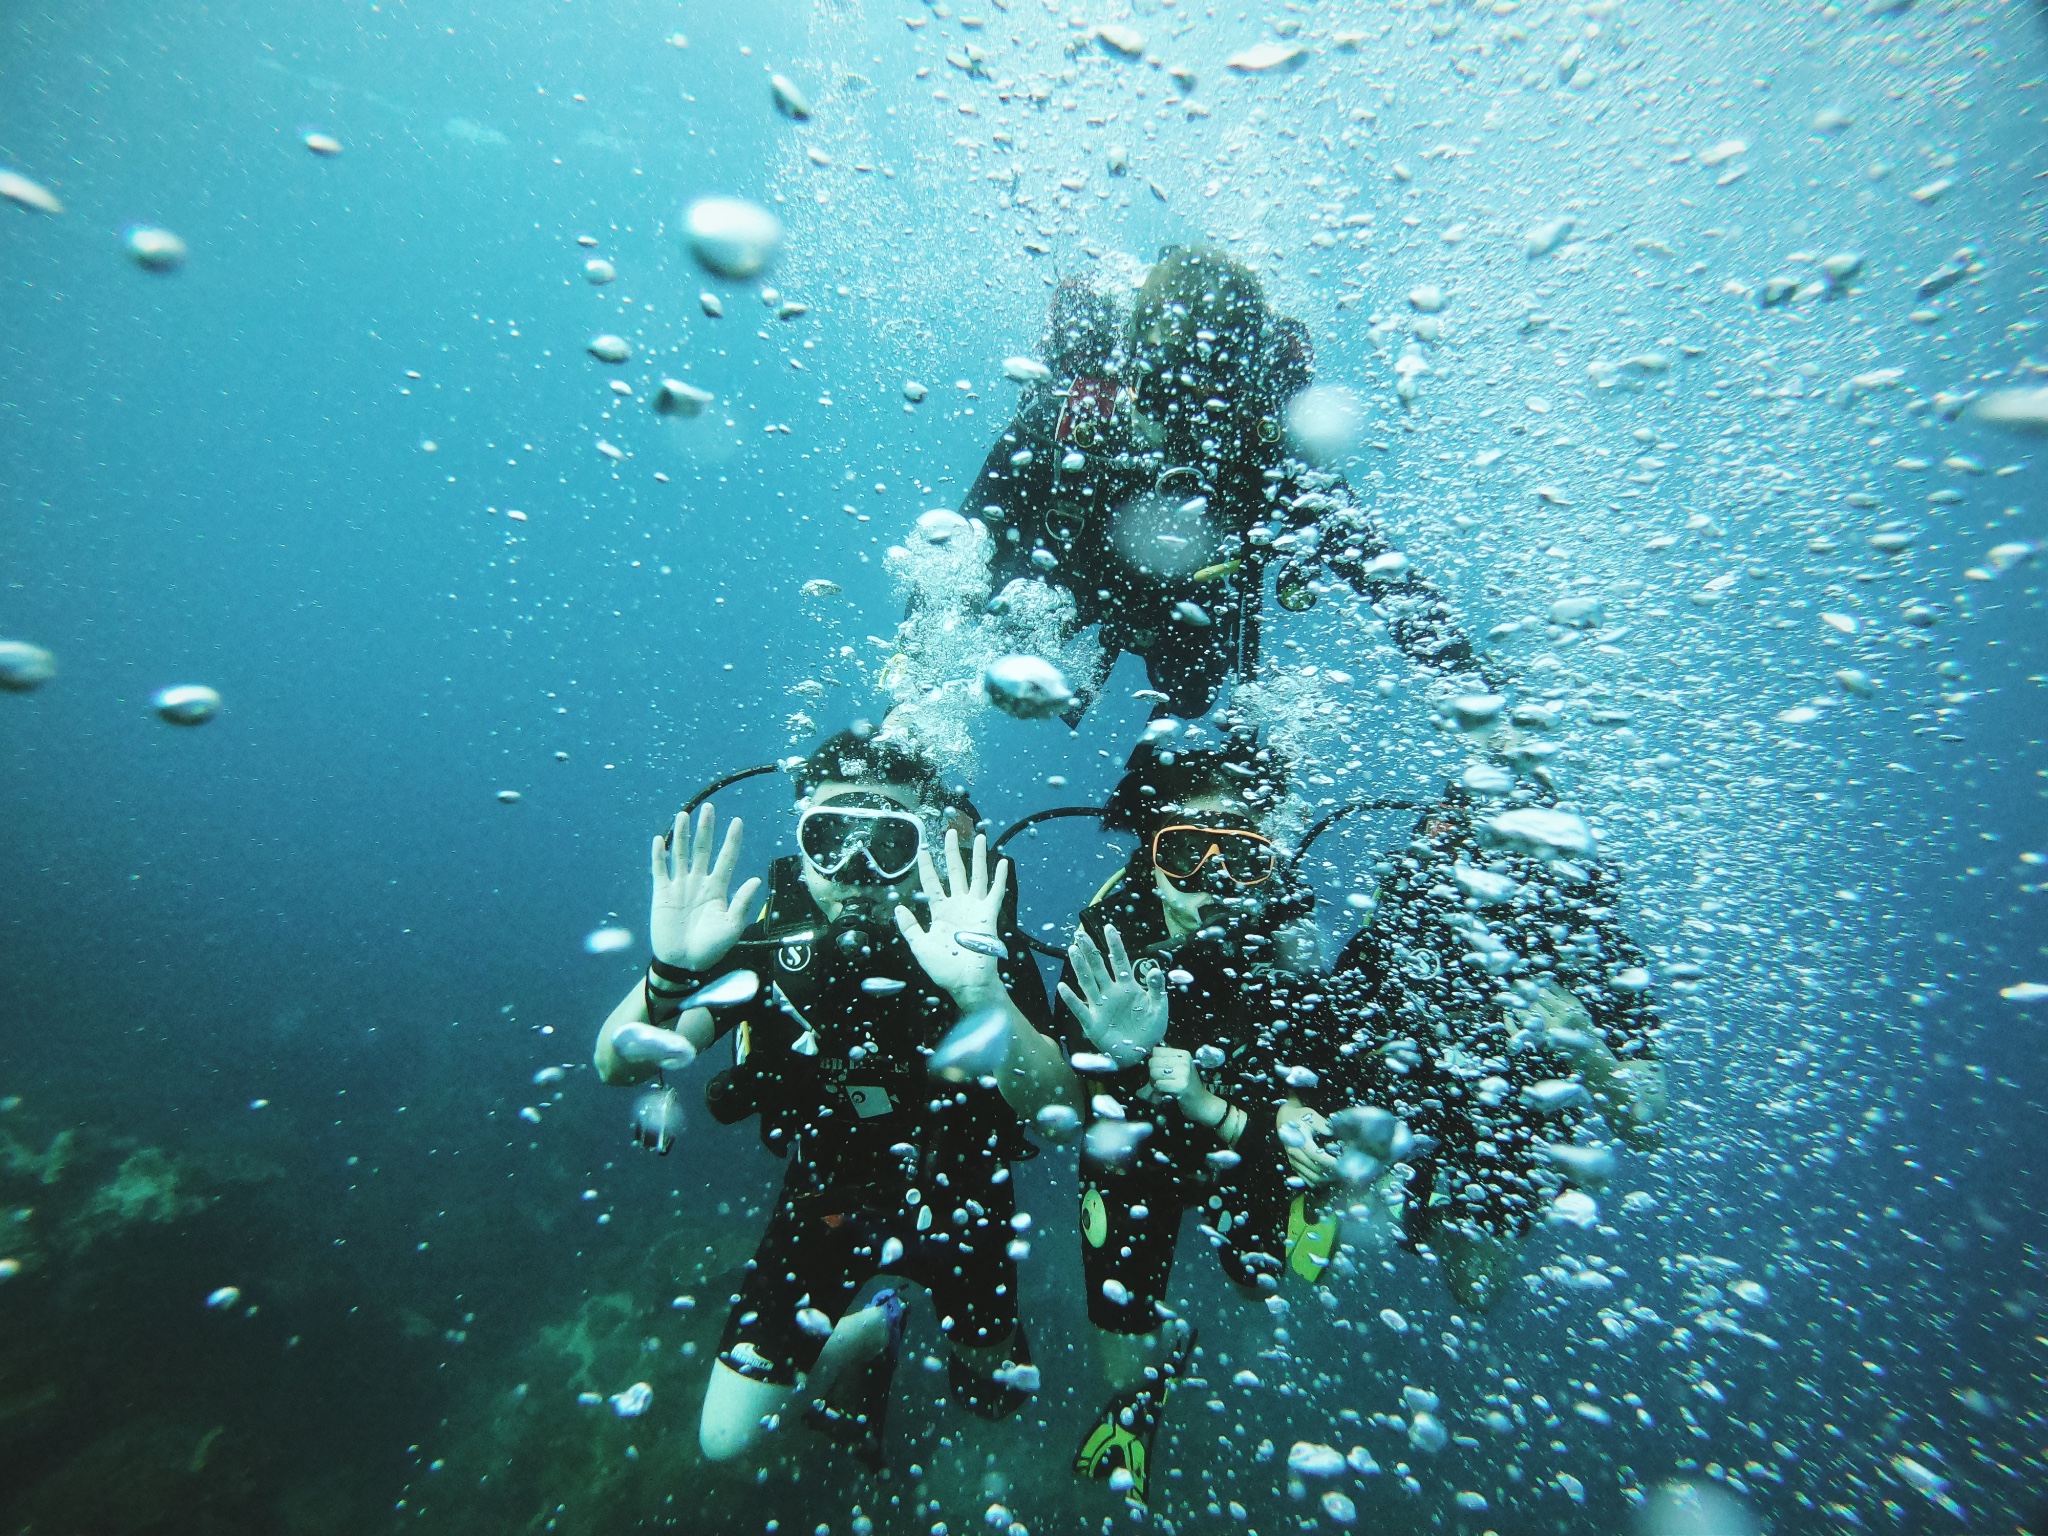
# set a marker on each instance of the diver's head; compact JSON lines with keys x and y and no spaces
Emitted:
{"x":1202,"y":816}
{"x":1162,"y":779}
{"x":1286,"y":363}
{"x":867,"y":805}
{"x":1197,"y":335}
{"x":1082,"y":330}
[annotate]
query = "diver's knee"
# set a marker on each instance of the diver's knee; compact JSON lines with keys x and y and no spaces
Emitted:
{"x":734,"y":1406}
{"x":724,"y":1435}
{"x":722,"y":1438}
{"x":864,"y":1332}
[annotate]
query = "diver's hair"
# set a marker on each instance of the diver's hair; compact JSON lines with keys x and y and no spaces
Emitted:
{"x":859,"y":755}
{"x":1213,"y":279}
{"x":1157,"y":782}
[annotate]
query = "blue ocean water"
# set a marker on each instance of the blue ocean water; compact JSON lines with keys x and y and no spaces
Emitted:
{"x":275,"y":990}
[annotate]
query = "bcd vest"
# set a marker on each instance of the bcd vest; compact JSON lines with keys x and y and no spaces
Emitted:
{"x":832,"y":1055}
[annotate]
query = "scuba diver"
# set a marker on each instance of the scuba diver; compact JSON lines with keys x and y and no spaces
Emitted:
{"x":844,"y":995}
{"x":1150,"y":479}
{"x":1210,"y":1056}
{"x":1506,"y":1006}
{"x":1444,"y":1067}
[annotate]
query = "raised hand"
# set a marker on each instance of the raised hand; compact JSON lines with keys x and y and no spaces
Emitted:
{"x":1121,"y":1016}
{"x":692,"y":923}
{"x":961,"y":948}
{"x":1300,"y":1129}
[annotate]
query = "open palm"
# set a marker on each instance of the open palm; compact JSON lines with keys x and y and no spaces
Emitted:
{"x":1122,"y":1016}
{"x":692,"y":923}
{"x":962,"y":902}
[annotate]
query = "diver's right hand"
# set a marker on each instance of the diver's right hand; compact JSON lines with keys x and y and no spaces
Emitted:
{"x":1122,"y":1016}
{"x":645,"y":1046}
{"x":692,"y":924}
{"x":1302,"y":1132}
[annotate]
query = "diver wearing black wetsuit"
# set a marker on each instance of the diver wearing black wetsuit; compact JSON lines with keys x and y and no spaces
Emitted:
{"x":878,"y":1150}
{"x":1267,"y":1024}
{"x":1498,"y":982}
{"x":899,"y":1151}
{"x":1207,"y":1090}
{"x":1158,"y":498}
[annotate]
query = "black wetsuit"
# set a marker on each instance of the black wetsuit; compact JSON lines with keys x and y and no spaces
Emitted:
{"x":890,"y":1169}
{"x":1266,"y":1021}
{"x":1177,"y":584}
{"x":1439,"y":1047}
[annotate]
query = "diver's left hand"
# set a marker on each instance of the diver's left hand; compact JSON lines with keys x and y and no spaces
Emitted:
{"x":962,"y":903}
{"x":1299,"y":1128}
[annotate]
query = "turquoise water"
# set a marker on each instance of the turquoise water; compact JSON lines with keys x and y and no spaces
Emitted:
{"x":274,"y":991}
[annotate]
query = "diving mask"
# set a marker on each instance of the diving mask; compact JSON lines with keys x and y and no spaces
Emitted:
{"x":1186,"y":851}
{"x":855,"y":842}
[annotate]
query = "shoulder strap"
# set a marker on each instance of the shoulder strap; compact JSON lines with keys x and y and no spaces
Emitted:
{"x":787,"y":911}
{"x":1107,"y":886}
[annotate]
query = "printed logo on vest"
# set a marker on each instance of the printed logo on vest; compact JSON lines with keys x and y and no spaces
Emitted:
{"x":869,"y":1101}
{"x":1094,"y":1218}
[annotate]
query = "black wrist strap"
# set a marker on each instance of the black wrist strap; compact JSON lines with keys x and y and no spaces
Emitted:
{"x":679,"y":976}
{"x":654,"y":1001}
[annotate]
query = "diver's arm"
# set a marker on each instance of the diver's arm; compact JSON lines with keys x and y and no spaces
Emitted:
{"x":1173,"y":1075}
{"x":1208,"y":1107}
{"x":1301,"y":1131}
{"x":999,"y":483}
{"x":1121,"y":1015}
{"x":1035,"y":1073}
{"x":614,"y":1069}
{"x":968,"y":903}
{"x":692,"y":924}
{"x":1629,"y":1089}
{"x":1630,"y":1095}
{"x":1334,"y":533}
{"x":1003,"y":492}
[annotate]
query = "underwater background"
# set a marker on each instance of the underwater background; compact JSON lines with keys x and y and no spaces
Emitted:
{"x":274,"y":992}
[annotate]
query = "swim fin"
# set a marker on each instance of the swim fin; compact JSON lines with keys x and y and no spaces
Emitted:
{"x":855,"y":1409}
{"x":1121,"y":1439}
{"x":1310,"y":1242}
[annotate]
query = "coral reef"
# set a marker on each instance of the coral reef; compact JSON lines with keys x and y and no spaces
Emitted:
{"x":601,"y":1331}
{"x":533,"y":1457}
{"x":148,"y":1187}
{"x":143,"y":1475}
{"x":21,"y":1160}
{"x":105,"y":1422}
